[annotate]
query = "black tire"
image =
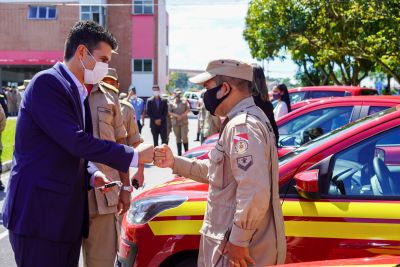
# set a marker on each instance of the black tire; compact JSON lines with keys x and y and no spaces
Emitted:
{"x":188,"y":262}
{"x":195,"y":112}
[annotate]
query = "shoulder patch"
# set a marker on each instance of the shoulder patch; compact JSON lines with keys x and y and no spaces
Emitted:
{"x":126,"y":103}
{"x":241,"y":142}
{"x":109,"y":87}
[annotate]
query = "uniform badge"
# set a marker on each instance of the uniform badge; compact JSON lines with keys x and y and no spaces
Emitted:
{"x":245,"y":163}
{"x":241,"y":143}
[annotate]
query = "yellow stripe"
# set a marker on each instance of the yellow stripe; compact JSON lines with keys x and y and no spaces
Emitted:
{"x":342,"y":209}
{"x":308,"y":209}
{"x":183,"y":227}
{"x":188,"y":208}
{"x":375,"y":265}
{"x":345,"y":230}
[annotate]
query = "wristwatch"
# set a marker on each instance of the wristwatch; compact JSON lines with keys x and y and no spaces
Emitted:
{"x":128,"y":188}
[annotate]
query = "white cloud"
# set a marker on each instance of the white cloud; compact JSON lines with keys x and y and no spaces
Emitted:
{"x":200,"y":31}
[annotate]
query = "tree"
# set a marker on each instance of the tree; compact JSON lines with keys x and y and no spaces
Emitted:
{"x":177,"y":80}
{"x":341,"y":40}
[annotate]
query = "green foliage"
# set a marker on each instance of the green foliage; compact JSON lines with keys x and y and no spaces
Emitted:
{"x":8,"y":138}
{"x":338,"y":41}
{"x":177,"y":80}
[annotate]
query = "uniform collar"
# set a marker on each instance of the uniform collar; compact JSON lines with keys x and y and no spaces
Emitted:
{"x":241,"y":106}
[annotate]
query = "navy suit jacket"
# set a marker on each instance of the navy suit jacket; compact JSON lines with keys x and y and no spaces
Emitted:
{"x":155,"y":113}
{"x":47,"y":192}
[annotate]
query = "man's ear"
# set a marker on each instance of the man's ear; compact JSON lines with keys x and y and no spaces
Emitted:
{"x":80,"y":51}
{"x":225,"y":89}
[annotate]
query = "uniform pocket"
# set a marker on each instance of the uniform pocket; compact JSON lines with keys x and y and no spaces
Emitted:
{"x":216,"y":169}
{"x":106,"y":128}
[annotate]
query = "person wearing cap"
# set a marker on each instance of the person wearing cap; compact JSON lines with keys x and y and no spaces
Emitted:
{"x":100,"y":248}
{"x":178,"y":111}
{"x":243,"y":223}
{"x":138,"y":105}
{"x":157,"y":110}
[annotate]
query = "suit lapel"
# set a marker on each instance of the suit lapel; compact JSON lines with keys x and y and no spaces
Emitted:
{"x":72,"y":86}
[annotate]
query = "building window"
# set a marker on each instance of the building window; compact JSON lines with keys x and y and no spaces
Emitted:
{"x":143,"y":7}
{"x":42,"y":12}
{"x":142,"y":65}
{"x":95,"y":13}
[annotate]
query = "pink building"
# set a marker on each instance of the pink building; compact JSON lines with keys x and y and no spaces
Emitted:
{"x":33,"y":36}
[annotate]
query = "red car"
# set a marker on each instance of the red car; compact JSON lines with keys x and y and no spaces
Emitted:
{"x":319,"y":117}
{"x":303,"y":93}
{"x":340,"y":198}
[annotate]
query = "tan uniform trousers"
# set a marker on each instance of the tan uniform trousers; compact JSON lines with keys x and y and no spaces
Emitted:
{"x":104,"y":229}
{"x":181,"y":133}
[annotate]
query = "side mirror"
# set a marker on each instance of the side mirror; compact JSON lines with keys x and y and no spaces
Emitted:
{"x":307,"y":184}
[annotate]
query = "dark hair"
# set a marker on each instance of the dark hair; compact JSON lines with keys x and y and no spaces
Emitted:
{"x":259,"y":83}
{"x":285,"y":96}
{"x":87,"y":33}
{"x":261,"y":98}
{"x":133,"y":89}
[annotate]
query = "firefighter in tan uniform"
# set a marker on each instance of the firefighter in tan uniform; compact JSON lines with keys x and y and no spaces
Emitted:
{"x":133,"y":138}
{"x":243,"y":224}
{"x":210,"y":124}
{"x":179,"y":110}
{"x":100,"y":248}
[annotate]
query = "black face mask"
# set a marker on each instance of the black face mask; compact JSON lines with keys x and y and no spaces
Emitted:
{"x":211,"y":101}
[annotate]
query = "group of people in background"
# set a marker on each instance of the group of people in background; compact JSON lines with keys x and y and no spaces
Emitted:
{"x":10,"y":98}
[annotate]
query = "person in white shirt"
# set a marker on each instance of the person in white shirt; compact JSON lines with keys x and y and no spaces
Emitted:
{"x":281,"y":94}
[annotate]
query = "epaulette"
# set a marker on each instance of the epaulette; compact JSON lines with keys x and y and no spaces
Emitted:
{"x":240,"y":118}
{"x":126,"y":103}
{"x":109,"y":87}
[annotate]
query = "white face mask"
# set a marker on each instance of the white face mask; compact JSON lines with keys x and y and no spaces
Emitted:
{"x":99,"y":71}
{"x":156,"y":93}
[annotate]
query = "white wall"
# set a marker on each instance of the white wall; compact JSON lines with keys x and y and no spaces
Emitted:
{"x":143,"y":83}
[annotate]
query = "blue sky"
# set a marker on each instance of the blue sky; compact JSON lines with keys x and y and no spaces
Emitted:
{"x":201,"y":30}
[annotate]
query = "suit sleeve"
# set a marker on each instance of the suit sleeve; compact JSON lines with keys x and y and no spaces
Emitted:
{"x":165,"y":109}
{"x":149,"y":110}
{"x":51,"y":107}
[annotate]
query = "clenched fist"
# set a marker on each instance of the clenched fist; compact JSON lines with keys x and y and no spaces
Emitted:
{"x":163,"y":157}
{"x":146,"y":153}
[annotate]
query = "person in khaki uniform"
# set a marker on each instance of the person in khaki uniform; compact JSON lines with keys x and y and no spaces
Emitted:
{"x":133,"y":138}
{"x":169,"y":123}
{"x":243,"y":223}
{"x":178,"y":110}
{"x":100,"y":248}
{"x":3,"y":120}
{"x":211,"y":124}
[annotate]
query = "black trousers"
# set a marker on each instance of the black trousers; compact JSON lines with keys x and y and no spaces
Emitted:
{"x":159,"y":131}
{"x":35,"y":252}
{"x":140,"y":126}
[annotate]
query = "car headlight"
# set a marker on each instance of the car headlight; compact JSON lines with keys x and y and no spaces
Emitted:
{"x":144,"y":210}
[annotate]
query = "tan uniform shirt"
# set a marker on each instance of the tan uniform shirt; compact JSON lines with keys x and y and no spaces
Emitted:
{"x":107,"y":125}
{"x":243,"y":204}
{"x":130,"y":123}
{"x":179,"y":108}
{"x":211,"y":124}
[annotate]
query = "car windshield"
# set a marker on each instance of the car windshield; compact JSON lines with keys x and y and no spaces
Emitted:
{"x":324,"y":138}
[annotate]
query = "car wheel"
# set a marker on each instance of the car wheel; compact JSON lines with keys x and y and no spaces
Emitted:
{"x":195,"y":112}
{"x":188,"y":262}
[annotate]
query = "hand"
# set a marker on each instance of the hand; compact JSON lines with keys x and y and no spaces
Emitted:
{"x":238,"y":256}
{"x":163,"y":157}
{"x":124,"y":202}
{"x":158,"y":122}
{"x":100,"y":180}
{"x":146,"y":153}
{"x":139,"y":175}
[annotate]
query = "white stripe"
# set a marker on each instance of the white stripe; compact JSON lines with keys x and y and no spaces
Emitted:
{"x":3,"y":234}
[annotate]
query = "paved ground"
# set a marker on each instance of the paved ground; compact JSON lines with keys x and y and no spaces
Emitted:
{"x":153,"y":177}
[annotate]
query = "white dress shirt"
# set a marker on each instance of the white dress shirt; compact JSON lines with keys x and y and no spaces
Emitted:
{"x":280,"y":110}
{"x":83,"y":94}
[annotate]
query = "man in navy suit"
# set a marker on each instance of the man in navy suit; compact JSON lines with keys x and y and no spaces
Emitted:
{"x":46,"y":207}
{"x":157,"y":109}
